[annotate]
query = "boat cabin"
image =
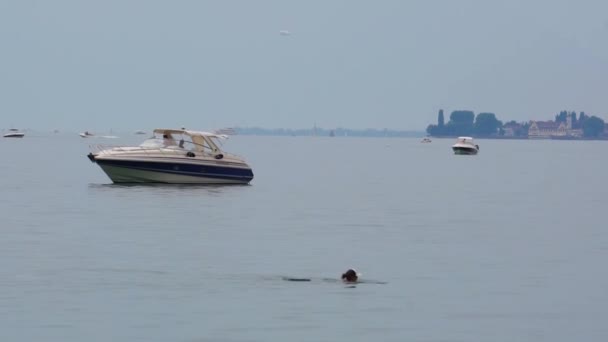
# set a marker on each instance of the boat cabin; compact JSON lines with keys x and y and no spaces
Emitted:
{"x":194,"y":141}
{"x":466,"y":140}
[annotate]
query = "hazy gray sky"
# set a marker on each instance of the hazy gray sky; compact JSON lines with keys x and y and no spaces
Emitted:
{"x":206,"y":64}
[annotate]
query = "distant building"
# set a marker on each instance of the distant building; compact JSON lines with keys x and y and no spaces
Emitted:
{"x":574,"y":129}
{"x":547,"y":129}
{"x":576,"y":132}
{"x":511,"y":129}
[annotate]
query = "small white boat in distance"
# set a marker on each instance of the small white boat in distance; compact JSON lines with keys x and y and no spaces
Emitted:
{"x":426,"y":140}
{"x":465,"y":145}
{"x":225,"y":131}
{"x":14,"y":133}
{"x":86,"y":134}
{"x":140,"y":132}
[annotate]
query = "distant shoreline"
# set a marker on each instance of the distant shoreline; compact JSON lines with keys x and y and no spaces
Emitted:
{"x":318,"y":132}
{"x":325,"y":132}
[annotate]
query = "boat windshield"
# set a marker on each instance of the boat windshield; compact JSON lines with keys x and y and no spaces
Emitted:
{"x":168,"y":142}
{"x":217,"y":141}
{"x":186,"y":142}
{"x":202,"y":144}
{"x":152,"y":143}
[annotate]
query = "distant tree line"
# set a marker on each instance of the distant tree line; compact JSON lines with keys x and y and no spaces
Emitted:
{"x":317,"y":131}
{"x":519,"y":129}
{"x":464,"y":123}
{"x":592,"y":126}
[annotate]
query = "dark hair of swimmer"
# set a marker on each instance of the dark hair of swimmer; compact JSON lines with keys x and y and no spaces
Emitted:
{"x":349,"y":276}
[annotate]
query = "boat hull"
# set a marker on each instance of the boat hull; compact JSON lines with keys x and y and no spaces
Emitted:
{"x":137,"y":171}
{"x":464,"y":150}
{"x":14,"y":135}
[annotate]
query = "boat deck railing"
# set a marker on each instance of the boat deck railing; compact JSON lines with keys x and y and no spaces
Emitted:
{"x":170,"y":150}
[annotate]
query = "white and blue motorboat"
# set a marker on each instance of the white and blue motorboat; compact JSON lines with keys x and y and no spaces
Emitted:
{"x":14,"y":133}
{"x":465,"y":145}
{"x":173,"y":156}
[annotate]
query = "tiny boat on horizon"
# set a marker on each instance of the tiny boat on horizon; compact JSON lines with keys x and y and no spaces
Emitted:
{"x":225,"y":131}
{"x":86,"y":134}
{"x":14,"y":133}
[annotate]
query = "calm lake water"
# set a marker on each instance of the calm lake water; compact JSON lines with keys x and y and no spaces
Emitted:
{"x":509,"y":245}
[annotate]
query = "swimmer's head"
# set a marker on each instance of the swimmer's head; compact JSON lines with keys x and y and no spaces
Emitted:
{"x":350,"y":276}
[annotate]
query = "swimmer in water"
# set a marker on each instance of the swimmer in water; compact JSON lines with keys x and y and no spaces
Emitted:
{"x":350,"y":276}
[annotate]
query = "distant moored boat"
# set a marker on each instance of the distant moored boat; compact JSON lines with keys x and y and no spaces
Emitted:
{"x":465,"y":145}
{"x":14,"y":133}
{"x":225,"y":131}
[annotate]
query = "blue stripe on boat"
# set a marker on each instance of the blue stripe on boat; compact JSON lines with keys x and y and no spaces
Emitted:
{"x":210,"y":171}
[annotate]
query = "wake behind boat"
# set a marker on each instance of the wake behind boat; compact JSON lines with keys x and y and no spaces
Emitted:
{"x":465,"y":145}
{"x":196,"y":159}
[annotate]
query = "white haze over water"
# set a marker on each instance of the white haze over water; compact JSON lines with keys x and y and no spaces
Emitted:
{"x":76,"y":65}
